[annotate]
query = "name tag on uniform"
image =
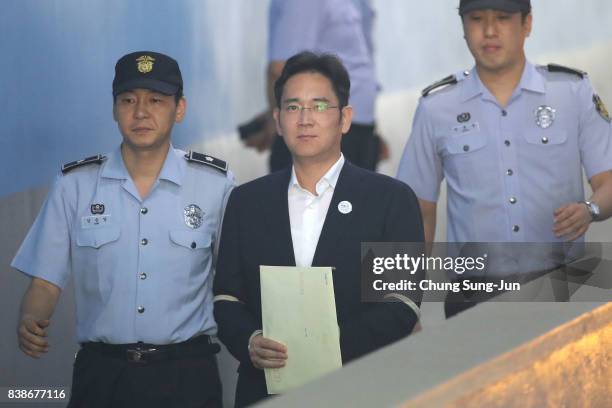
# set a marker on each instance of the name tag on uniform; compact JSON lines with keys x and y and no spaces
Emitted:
{"x":95,"y":221}
{"x":466,"y":128}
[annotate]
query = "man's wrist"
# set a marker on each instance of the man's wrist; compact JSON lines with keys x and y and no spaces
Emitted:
{"x":593,"y":209}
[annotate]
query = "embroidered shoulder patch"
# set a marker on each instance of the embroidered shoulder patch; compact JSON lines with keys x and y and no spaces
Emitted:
{"x":601,"y":108}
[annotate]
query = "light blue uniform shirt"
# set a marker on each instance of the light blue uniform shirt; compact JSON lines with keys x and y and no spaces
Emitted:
{"x":140,"y":272}
{"x":340,"y":27}
{"x":505,"y":173}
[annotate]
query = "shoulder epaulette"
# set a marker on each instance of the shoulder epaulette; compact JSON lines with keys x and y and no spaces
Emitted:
{"x":567,"y":70}
{"x":207,"y":160}
{"x":97,"y":159}
{"x":449,"y":80}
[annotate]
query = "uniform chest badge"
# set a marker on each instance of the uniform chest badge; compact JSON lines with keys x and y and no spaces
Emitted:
{"x":193,"y":216}
{"x":545,"y":116}
{"x":601,"y":108}
{"x":97,"y":209}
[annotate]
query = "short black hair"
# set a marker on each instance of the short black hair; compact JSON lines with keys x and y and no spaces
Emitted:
{"x":328,"y":65}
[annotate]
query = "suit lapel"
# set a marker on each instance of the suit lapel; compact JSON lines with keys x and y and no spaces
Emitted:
{"x":275,"y":209}
{"x":336,"y":223}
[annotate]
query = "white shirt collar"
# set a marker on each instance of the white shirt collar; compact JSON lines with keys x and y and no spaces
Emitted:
{"x":329,"y":179}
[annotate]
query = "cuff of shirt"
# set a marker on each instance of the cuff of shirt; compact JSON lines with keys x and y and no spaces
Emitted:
{"x":255,"y":333}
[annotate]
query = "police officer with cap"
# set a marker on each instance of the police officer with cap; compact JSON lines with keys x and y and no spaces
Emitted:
{"x":136,"y":230}
{"x":511,"y":139}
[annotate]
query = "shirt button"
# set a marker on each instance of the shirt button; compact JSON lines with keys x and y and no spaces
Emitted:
{"x":466,"y":148}
{"x":507,"y":142}
{"x":516,"y":228}
{"x":509,"y":172}
{"x":144,"y":210}
{"x":512,"y":200}
{"x":141,"y":309}
{"x":142,"y":276}
{"x":193,"y":245}
{"x":144,"y":241}
{"x":544,"y":140}
{"x":504,"y":113}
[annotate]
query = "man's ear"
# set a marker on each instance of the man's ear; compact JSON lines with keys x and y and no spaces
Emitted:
{"x":346,"y":118}
{"x":528,"y":25}
{"x":276,"y":115}
{"x":181,"y":108}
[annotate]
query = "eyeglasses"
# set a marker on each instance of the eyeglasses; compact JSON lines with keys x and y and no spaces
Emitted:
{"x":317,"y":107}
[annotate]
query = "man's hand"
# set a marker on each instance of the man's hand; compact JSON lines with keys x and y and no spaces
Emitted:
{"x":384,"y":152}
{"x":263,"y":139}
{"x":36,"y":309}
{"x":266,"y":353}
{"x":571,"y":221}
{"x":32,"y":336}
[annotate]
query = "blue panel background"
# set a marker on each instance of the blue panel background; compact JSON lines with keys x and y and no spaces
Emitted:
{"x":57,"y":67}
{"x":57,"y":59}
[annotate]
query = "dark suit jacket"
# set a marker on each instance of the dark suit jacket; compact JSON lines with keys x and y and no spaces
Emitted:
{"x":256,"y":231}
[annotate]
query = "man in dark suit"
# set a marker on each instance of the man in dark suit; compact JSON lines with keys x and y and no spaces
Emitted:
{"x":315,"y":213}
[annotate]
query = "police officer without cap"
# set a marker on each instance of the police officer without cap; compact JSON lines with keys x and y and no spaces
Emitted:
{"x":510,"y":138}
{"x":136,"y":229}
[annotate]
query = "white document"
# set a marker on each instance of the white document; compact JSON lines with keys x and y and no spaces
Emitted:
{"x":299,"y":311}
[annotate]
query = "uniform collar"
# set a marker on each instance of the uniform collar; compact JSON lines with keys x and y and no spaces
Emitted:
{"x":472,"y":86}
{"x":330,"y":178}
{"x":531,"y":80}
{"x":172,"y":170}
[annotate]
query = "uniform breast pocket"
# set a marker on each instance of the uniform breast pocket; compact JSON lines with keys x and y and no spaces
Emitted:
{"x":464,"y":145}
{"x":465,"y":159}
{"x":96,"y":256}
{"x":97,"y":237}
{"x":194,"y":252}
{"x":548,"y":138}
{"x":548,"y":146}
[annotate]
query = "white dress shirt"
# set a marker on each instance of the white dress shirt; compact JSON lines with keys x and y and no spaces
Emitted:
{"x":307,"y":212}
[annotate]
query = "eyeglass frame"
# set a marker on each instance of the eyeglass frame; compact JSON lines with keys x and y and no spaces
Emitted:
{"x":301,"y":108}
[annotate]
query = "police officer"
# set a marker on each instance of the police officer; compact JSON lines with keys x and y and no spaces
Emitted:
{"x":136,"y":230}
{"x":510,"y":138}
{"x":340,"y":27}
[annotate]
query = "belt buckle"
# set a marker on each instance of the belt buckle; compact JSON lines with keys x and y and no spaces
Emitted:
{"x":138,"y":355}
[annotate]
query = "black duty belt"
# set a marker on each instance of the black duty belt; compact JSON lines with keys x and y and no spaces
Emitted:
{"x":200,"y":346}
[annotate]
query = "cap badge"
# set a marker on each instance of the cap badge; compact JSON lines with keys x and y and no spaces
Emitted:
{"x":193,"y":216}
{"x":545,"y":116}
{"x":145,"y":63}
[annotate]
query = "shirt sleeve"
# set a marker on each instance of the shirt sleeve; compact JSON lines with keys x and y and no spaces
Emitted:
{"x":235,"y":321}
{"x":420,"y":166}
{"x":230,"y":183}
{"x":595,"y":137}
{"x":45,"y":252}
{"x":294,"y":27}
